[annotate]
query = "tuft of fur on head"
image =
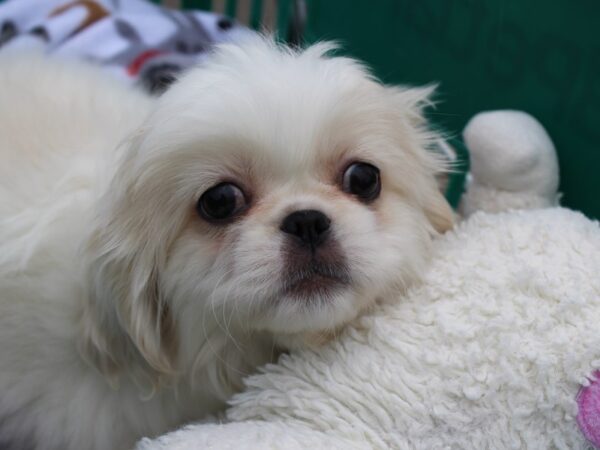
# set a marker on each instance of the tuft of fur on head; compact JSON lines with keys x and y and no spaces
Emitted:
{"x":176,"y":294}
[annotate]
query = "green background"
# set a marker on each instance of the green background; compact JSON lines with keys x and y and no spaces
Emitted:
{"x":542,"y":57}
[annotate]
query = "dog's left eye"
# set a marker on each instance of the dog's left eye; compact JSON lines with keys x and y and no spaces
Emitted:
{"x":221,"y":202}
{"x":362,"y":180}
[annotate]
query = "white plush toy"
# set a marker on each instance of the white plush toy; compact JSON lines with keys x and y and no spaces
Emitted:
{"x":513,"y":163}
{"x":497,"y":348}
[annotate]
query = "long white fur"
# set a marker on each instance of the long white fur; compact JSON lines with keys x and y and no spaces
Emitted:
{"x":489,"y":352}
{"x":122,"y":313}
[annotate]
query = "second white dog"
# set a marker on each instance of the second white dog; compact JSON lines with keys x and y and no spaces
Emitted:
{"x":154,"y":252}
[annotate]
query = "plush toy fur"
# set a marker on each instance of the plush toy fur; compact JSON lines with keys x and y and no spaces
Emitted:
{"x":513,"y":163}
{"x":490,"y":351}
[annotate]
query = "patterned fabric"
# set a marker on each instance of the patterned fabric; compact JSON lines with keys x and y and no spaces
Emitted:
{"x":136,"y":40}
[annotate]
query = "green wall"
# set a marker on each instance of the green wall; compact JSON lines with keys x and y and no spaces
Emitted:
{"x":539,"y":56}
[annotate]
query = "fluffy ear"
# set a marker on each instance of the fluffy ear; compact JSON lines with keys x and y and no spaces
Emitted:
{"x":439,"y":212}
{"x":413,"y":101}
{"x":126,"y":318}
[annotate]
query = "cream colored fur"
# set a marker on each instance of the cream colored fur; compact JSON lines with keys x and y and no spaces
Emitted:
{"x":122,"y":312}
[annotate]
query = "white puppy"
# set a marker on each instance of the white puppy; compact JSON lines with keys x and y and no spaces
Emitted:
{"x":153,"y":252}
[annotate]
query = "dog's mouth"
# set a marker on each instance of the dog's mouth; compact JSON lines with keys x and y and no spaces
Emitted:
{"x":316,"y":280}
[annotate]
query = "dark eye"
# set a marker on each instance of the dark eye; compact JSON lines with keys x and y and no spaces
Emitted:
{"x":221,"y":202}
{"x":362,"y":180}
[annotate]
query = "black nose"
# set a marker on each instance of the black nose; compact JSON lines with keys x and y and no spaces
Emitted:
{"x":309,"y":225}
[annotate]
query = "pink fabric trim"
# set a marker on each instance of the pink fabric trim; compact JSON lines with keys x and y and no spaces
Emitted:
{"x":588,"y":416}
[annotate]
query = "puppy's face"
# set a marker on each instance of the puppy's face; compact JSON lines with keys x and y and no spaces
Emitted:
{"x":280,"y":192}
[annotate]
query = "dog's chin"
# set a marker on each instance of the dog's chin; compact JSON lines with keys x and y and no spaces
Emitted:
{"x":310,"y":310}
{"x":316,"y":311}
{"x":316,"y":286}
{"x":304,"y":340}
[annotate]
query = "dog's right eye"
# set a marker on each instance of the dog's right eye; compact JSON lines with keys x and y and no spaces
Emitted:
{"x":221,"y":203}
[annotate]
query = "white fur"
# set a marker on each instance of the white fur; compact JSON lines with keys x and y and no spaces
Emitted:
{"x":513,"y":163}
{"x":488,"y":353}
{"x":122,"y":312}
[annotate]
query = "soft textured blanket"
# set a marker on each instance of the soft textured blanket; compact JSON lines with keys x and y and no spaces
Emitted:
{"x":490,"y":352}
